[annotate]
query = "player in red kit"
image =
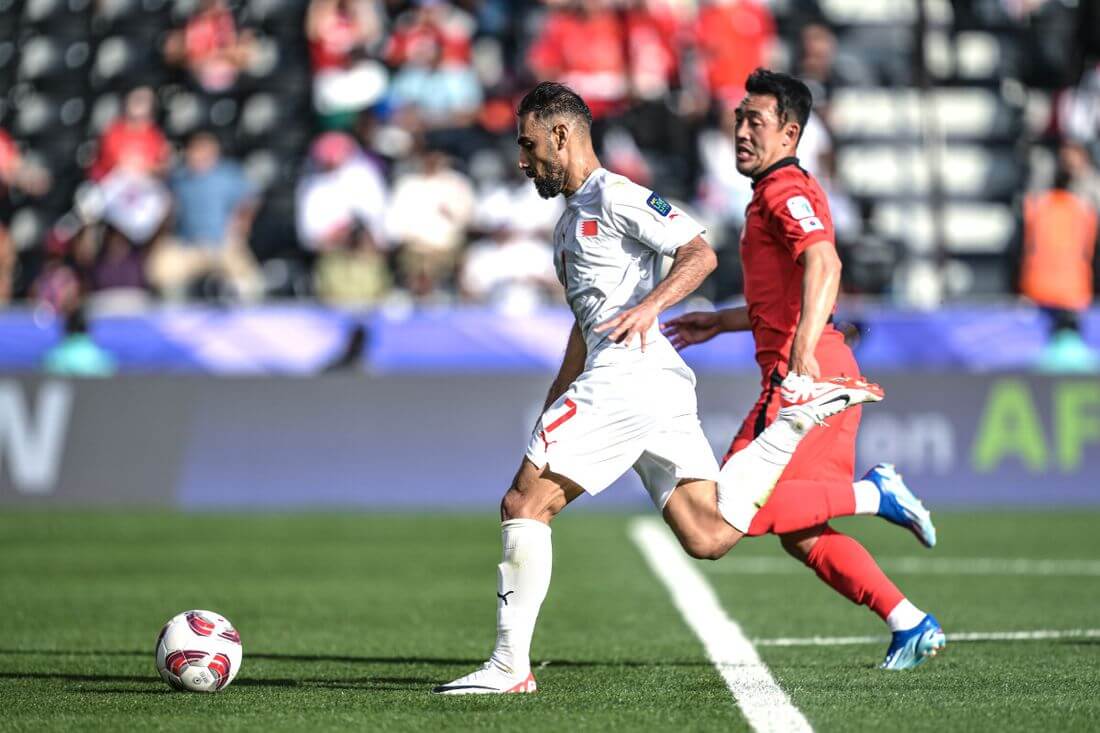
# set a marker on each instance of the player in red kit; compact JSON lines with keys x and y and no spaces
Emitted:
{"x":792,"y":276}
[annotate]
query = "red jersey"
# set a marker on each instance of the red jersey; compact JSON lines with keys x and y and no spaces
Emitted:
{"x":787,"y":214}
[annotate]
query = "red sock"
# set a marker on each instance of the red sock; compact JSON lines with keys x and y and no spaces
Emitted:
{"x":798,"y":504}
{"x":850,"y":570}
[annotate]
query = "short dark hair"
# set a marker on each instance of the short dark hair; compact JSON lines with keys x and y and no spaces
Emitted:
{"x":792,"y":96}
{"x":550,"y":99}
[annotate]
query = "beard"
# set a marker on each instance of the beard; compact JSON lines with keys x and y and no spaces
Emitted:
{"x":551,"y":184}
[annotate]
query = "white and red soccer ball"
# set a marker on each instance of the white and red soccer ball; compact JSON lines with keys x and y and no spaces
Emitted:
{"x":198,"y":651}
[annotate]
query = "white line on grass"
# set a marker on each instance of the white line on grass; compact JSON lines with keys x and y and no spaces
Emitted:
{"x":1035,"y":635}
{"x":763,"y":702}
{"x":922,"y":566}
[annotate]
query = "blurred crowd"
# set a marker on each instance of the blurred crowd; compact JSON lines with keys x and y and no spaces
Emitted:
{"x":361,"y":152}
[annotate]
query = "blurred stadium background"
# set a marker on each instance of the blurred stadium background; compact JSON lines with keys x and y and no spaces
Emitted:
{"x":276,"y":255}
{"x":200,"y":188}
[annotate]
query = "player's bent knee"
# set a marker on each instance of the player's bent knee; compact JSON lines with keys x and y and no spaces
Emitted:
{"x":799,"y":544}
{"x":702,"y":547}
{"x":540,"y":502}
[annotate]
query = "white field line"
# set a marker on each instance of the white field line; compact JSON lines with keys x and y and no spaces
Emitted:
{"x":917,"y":565}
{"x":1035,"y":635}
{"x":762,"y":701}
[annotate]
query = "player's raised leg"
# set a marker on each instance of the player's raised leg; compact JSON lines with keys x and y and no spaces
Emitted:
{"x":710,"y":519}
{"x":749,"y":476}
{"x":846,"y":566}
{"x":523,"y":578}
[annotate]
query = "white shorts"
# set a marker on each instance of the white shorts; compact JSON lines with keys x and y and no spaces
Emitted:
{"x":610,"y":420}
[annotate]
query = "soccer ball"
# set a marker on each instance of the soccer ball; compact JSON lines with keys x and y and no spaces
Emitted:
{"x":198,"y":651}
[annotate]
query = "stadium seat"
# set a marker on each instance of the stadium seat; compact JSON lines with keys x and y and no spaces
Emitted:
{"x":105,"y":108}
{"x":28,"y":225}
{"x":262,"y":168}
{"x":122,"y":63}
{"x":54,"y":62}
{"x":131,"y":18}
{"x":969,"y":228}
{"x":40,"y":115}
{"x":883,"y":12}
{"x":878,"y":170}
{"x":960,"y":113}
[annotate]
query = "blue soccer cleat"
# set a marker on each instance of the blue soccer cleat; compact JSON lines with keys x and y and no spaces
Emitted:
{"x":909,"y":648}
{"x":900,"y":505}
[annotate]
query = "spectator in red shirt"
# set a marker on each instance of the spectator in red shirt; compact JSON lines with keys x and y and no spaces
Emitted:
{"x":210,"y":47}
{"x":653,"y":31}
{"x":583,"y":45}
{"x":732,"y":37}
{"x":343,"y":34}
{"x":435,"y":22}
{"x":135,"y":136}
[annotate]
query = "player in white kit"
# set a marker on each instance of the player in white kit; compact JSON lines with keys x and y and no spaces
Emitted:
{"x":623,"y":397}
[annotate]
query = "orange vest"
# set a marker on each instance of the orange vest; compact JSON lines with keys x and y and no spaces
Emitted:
{"x":1059,"y":242}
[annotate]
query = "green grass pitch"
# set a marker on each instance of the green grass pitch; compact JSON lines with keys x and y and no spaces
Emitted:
{"x":349,"y":619}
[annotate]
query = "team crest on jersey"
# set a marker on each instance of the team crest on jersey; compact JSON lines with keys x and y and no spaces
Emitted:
{"x":588,"y":228}
{"x":658,"y":204}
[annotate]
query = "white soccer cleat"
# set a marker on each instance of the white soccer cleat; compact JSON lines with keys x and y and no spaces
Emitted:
{"x":802,"y":397}
{"x":489,"y":680}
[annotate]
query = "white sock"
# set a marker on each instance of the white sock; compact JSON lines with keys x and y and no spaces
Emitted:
{"x":750,"y":475}
{"x":904,"y":616}
{"x":523,"y":577}
{"x":867,"y":497}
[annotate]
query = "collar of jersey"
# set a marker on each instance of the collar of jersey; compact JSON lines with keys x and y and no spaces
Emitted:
{"x":773,"y":168}
{"x":581,"y":194}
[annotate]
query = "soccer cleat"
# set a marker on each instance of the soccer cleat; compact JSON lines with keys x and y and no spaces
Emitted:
{"x":899,"y":505}
{"x":489,"y":680}
{"x":801,"y":396}
{"x":909,"y":648}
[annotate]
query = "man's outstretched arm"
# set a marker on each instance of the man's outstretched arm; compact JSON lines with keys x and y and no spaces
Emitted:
{"x":690,"y":266}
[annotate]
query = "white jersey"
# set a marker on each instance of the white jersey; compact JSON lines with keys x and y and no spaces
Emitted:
{"x":608,"y":246}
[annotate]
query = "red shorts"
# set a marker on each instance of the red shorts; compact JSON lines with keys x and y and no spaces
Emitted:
{"x":827,"y":454}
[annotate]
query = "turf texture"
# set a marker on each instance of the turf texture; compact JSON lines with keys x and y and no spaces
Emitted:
{"x":348,"y":620}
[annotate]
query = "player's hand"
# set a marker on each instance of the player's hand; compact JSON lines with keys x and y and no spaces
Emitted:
{"x":692,"y":328}
{"x":805,"y":365}
{"x":635,"y":321}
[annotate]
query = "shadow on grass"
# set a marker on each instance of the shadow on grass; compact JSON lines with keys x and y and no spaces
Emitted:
{"x":151,"y":685}
{"x":403,"y":661}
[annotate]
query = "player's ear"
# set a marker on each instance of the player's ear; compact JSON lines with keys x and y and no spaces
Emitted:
{"x":791,"y":132}
{"x":559,"y":133}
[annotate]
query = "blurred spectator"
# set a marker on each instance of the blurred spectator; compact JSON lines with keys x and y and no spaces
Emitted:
{"x":434,"y":22}
{"x":437,"y":95}
{"x":509,"y":270}
{"x":1084,"y":181}
{"x":822,"y":68}
{"x":431,"y":208}
{"x":583,"y":45}
{"x":504,"y":191}
{"x":215,"y":206}
{"x":343,"y":35}
{"x":210,"y":47}
{"x":133,"y":207}
{"x":78,"y":355}
{"x":15,"y":172}
{"x":653,"y":37}
{"x":341,"y":202}
{"x":1056,"y":269}
{"x":134,"y":135}
{"x":732,"y":38}
{"x":1078,"y":110}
